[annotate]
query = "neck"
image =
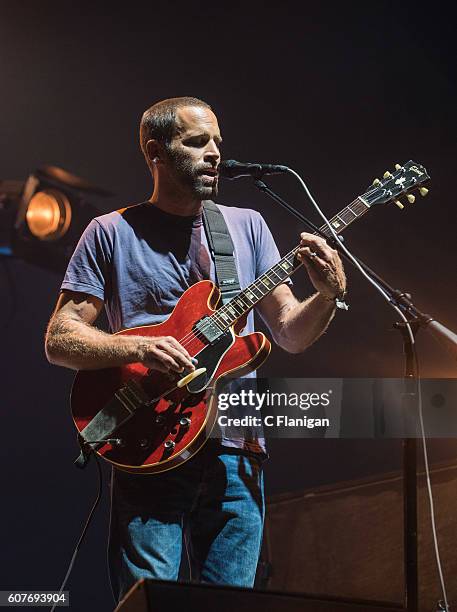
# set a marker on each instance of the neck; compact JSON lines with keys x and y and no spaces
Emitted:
{"x":175,"y":201}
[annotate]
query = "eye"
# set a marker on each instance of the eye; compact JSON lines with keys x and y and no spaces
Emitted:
{"x":197,"y":141}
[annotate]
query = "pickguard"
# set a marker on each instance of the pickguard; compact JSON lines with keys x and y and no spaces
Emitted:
{"x":210,"y":358}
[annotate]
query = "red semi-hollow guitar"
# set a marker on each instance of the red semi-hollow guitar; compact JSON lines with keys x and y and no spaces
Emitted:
{"x":146,"y":421}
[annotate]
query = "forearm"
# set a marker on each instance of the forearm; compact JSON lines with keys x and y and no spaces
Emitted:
{"x":79,"y":346}
{"x":302,"y":323}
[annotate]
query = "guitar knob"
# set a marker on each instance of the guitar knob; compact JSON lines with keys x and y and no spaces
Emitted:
{"x":144,"y":443}
{"x":169,"y":444}
{"x":398,"y":167}
{"x":184,"y":422}
{"x":376,"y":182}
{"x":423,"y":191}
{"x":160,"y":419}
{"x":411,"y":198}
{"x":387,"y":174}
{"x":399,"y":204}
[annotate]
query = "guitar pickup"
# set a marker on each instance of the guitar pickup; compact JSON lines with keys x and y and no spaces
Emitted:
{"x":209,"y":329}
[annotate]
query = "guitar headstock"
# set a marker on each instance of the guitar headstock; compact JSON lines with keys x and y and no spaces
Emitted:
{"x":403,"y":181}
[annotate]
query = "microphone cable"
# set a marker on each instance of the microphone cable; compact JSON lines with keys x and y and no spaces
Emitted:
{"x":85,"y":528}
{"x":416,"y":369}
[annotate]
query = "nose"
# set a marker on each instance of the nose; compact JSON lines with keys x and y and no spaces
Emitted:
{"x":212,"y":153}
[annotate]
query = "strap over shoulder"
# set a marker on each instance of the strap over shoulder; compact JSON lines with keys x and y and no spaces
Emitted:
{"x":222,"y":250}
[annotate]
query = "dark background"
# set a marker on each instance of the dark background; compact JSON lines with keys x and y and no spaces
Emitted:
{"x":338,"y":91}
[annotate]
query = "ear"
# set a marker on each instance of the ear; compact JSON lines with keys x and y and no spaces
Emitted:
{"x":153,"y":150}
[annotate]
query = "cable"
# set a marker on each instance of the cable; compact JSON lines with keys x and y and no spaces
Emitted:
{"x":431,"y":503}
{"x":416,"y":372}
{"x":428,"y":480}
{"x":349,"y":255}
{"x":86,"y":526}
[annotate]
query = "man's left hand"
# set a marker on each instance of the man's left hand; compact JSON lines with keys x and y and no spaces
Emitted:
{"x":324,"y":265}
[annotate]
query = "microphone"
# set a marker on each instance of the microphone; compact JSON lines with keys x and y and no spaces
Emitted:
{"x":232,"y":169}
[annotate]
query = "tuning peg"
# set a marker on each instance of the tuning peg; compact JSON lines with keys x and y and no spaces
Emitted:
{"x":423,"y":191}
{"x":411,"y":198}
{"x":399,"y":204}
{"x":376,"y":182}
{"x":398,"y":167}
{"x":387,"y":174}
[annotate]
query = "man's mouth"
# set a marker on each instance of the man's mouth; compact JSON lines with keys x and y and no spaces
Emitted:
{"x":209,"y":172}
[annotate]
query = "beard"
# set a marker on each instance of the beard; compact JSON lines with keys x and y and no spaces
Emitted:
{"x":189,"y":176}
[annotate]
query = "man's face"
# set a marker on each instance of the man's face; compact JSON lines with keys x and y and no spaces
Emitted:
{"x":194,"y":152}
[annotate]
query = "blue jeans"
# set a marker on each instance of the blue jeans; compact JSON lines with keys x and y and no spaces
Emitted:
{"x":214,"y":503}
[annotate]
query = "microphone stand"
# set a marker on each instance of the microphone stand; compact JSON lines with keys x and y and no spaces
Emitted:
{"x":446,"y":337}
{"x":417,"y":320}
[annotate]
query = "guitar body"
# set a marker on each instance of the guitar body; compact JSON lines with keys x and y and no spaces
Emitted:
{"x":167,"y":425}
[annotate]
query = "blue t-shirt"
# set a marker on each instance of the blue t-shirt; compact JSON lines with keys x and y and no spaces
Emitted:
{"x":140,"y":260}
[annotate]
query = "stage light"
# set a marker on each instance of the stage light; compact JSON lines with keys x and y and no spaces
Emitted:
{"x":48,"y":215}
{"x":42,"y":218}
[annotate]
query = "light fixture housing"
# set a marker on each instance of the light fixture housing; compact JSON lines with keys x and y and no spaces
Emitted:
{"x":52,"y":212}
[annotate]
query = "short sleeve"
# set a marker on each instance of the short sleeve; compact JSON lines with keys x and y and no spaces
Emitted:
{"x":88,"y":268}
{"x":266,"y":251}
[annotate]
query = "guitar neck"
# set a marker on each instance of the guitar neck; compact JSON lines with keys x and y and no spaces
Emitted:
{"x":242,"y":303}
{"x":345,"y":217}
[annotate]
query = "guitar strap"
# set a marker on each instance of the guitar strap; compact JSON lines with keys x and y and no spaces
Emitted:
{"x":222,"y":251}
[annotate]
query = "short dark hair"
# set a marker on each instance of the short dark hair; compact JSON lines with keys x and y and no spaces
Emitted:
{"x":159,"y":121}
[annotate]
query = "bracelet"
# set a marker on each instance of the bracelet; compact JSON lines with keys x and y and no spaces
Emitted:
{"x":338,"y":300}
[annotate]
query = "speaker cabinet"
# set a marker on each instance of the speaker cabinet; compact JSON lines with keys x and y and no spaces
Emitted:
{"x":157,"y":596}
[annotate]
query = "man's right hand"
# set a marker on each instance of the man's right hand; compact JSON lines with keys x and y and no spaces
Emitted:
{"x":72,"y":341}
{"x":165,"y":354}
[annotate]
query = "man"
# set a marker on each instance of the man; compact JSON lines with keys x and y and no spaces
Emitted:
{"x":137,"y":262}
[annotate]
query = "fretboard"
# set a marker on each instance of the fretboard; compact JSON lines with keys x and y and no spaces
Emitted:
{"x":242,"y":303}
